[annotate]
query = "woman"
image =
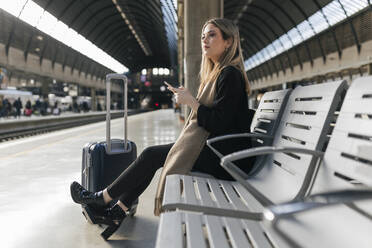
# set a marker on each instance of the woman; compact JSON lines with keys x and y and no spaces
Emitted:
{"x":220,"y":108}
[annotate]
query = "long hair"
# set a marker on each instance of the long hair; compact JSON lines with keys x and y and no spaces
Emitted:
{"x":209,"y":71}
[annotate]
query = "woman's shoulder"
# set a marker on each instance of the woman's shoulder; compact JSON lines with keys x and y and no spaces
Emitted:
{"x":230,"y":69}
{"x":230,"y":73}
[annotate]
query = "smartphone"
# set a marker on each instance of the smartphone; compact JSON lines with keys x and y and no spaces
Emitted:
{"x":170,"y":87}
{"x":168,"y":84}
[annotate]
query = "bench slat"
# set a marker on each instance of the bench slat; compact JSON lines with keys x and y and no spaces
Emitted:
{"x":194,"y":232}
{"x":172,"y":191}
{"x":236,"y":233}
{"x":220,"y":198}
{"x":256,"y":234}
{"x":189,"y":191}
{"x":231,"y":194}
{"x":216,"y":235}
{"x":167,"y":238}
{"x":206,"y":199}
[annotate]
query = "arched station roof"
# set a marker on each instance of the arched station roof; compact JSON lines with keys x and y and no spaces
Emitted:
{"x":261,"y":22}
{"x":272,"y":27}
{"x":142,"y":33}
{"x":139,"y":34}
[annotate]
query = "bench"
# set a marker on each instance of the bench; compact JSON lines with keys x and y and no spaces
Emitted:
{"x":339,"y":211}
{"x":264,"y":125}
{"x":304,"y":124}
{"x":333,"y":215}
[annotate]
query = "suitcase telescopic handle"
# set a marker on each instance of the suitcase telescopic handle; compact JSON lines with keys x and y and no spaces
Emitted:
{"x":122,"y":77}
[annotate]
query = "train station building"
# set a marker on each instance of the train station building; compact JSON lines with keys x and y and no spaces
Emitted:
{"x":309,"y":68}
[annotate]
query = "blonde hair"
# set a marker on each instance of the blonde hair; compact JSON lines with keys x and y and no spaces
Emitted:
{"x":209,"y":71}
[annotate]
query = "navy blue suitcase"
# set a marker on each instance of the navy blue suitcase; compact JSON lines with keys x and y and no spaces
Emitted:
{"x":100,"y":169}
{"x":104,"y":161}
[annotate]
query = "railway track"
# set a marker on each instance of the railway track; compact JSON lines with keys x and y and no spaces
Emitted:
{"x":24,"y":128}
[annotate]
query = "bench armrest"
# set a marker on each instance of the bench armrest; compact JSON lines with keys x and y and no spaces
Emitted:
{"x":316,"y":201}
{"x":240,"y":176}
{"x":267,"y":150}
{"x":234,"y":136}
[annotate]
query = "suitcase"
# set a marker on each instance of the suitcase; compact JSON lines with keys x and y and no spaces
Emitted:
{"x":28,"y":112}
{"x":104,"y":161}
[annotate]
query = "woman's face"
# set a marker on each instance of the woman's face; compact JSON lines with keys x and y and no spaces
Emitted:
{"x":213,"y":44}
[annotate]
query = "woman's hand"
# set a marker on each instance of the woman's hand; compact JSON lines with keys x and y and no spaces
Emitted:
{"x":183,"y":96}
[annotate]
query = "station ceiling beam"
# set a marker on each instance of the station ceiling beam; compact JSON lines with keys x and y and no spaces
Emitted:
{"x":306,"y":17}
{"x":316,"y":2}
{"x":357,"y":43}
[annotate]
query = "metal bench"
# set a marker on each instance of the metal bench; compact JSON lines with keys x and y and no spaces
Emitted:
{"x":264,"y":124}
{"x":331,"y":216}
{"x":304,"y":124}
{"x":339,"y":211}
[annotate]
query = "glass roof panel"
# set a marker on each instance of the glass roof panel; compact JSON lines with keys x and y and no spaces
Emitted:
{"x":31,"y":13}
{"x":278,"y":46}
{"x":295,"y":36}
{"x":267,"y":53}
{"x":316,"y":23}
{"x":352,"y":6}
{"x":286,"y":42}
{"x":334,"y":13}
{"x":13,"y":7}
{"x":306,"y":30}
{"x":271,"y":51}
{"x":47,"y":23}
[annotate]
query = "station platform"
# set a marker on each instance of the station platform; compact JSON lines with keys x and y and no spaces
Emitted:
{"x":36,"y":209}
{"x":40,"y":117}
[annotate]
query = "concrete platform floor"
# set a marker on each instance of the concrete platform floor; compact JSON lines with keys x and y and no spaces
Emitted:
{"x":36,"y":209}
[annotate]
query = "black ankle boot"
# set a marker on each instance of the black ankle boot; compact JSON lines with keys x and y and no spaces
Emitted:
{"x":115,"y":214}
{"x":113,"y":217}
{"x":82,"y":196}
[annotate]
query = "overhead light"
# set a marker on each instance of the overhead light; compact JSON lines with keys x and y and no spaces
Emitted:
{"x":39,"y":37}
{"x":37,"y":49}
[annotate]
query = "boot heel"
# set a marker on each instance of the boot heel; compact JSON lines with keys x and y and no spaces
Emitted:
{"x":93,"y":218}
{"x":88,"y":215}
{"x":109,"y":231}
{"x":132,"y":211}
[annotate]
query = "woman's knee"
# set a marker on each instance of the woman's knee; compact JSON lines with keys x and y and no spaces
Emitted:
{"x":148,"y":152}
{"x":155,"y":154}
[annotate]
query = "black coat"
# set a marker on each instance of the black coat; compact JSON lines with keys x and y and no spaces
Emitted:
{"x":228,"y":114}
